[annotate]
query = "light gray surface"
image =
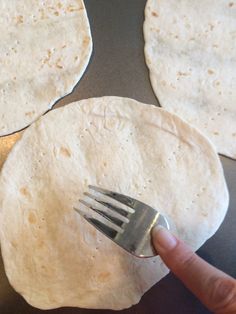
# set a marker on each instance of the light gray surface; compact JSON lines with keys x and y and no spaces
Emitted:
{"x":117,"y":67}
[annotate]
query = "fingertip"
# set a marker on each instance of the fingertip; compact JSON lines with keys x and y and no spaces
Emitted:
{"x":163,"y":240}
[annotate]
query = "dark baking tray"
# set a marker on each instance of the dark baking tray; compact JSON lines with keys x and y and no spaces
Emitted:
{"x":117,"y":67}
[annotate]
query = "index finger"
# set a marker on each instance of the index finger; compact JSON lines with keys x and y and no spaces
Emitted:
{"x":213,"y":287}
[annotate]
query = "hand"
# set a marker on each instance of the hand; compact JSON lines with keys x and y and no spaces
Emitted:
{"x":214,"y":288}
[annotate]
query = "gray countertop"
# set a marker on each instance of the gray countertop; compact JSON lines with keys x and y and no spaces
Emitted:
{"x":117,"y":67}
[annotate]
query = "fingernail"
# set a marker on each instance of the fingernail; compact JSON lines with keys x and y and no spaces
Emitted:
{"x":163,"y":239}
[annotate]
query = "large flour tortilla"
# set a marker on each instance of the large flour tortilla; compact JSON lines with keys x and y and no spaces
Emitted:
{"x":45,"y":47}
{"x":190,"y":49}
{"x":52,"y":256}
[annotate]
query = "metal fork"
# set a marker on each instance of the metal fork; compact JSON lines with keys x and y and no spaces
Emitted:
{"x":129,"y":227}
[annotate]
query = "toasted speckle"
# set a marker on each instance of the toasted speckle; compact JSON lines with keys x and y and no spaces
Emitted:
{"x":32,"y":218}
{"x":86,"y":40}
{"x":58,"y":65}
{"x":104,"y":276}
{"x":209,"y":71}
{"x":24,"y":191}
{"x":234,"y":134}
{"x":19,"y":19}
{"x":163,"y":83}
{"x":216,"y":133}
{"x":211,"y":26}
{"x":182,"y":73}
{"x":72,"y":8}
{"x":155,"y":14}
{"x":231,"y":4}
{"x":65,"y":152}
{"x":47,"y":58}
{"x":40,"y":243}
{"x":93,"y":232}
{"x":14,"y":244}
{"x":30,"y":113}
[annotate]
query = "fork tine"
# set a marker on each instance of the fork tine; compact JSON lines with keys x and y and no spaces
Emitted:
{"x":108,"y":231}
{"x":105,"y":215}
{"x":114,"y":208}
{"x":126,"y":200}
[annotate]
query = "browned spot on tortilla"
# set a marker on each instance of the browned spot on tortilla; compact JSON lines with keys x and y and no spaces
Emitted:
{"x":30,"y":113}
{"x":42,"y":14}
{"x":72,"y":8}
{"x":104,"y":276}
{"x":32,"y":218}
{"x":40,"y":243}
{"x":176,"y":36}
{"x":182,"y":73}
{"x":163,"y":83}
{"x":231,"y":4}
{"x":216,"y":133}
{"x":47,"y":58}
{"x":234,"y":134}
{"x":211,"y":26}
{"x":14,"y":78}
{"x":210,"y":71}
{"x":24,"y":191}
{"x":76,"y":58}
{"x":64,"y":46}
{"x":56,"y":13}
{"x":58,"y":65}
{"x":86,"y":40}
{"x":155,"y":14}
{"x":93,"y":232}
{"x":65,"y":152}
{"x":14,"y":49}
{"x":59,"y":5}
{"x":19,"y":19}
{"x":215,"y":46}
{"x":14,"y":244}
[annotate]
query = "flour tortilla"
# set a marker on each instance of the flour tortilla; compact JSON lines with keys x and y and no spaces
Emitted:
{"x":45,"y":48}
{"x":52,"y":256}
{"x":190,"y":51}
